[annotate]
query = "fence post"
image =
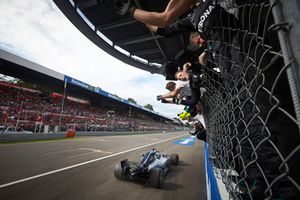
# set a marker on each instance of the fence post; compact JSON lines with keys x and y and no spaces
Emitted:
{"x":292,"y":71}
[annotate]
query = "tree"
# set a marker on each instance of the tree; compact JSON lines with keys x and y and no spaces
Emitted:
{"x":132,"y":100}
{"x":148,"y":106}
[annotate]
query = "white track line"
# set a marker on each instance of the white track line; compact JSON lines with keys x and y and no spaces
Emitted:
{"x":91,"y":151}
{"x":79,"y":149}
{"x":84,"y":163}
{"x":82,"y":154}
{"x":58,"y":152}
{"x":95,"y":150}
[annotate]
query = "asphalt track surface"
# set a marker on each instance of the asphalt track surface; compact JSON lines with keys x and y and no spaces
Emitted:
{"x":82,"y":168}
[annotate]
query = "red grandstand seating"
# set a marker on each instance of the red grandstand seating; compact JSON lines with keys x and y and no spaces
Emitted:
{"x":28,"y":108}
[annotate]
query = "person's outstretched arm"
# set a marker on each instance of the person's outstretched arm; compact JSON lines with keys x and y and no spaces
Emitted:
{"x":174,"y":9}
{"x":176,"y":28}
{"x":169,"y":94}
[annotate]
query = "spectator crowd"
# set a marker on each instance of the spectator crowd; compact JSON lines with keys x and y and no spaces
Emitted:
{"x":33,"y":110}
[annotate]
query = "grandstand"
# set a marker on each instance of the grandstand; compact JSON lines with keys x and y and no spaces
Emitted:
{"x":53,"y":102}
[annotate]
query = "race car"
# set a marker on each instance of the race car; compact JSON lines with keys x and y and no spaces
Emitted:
{"x":152,"y":169}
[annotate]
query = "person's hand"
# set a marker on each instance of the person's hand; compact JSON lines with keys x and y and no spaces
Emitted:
{"x":186,"y":66}
{"x":159,"y":97}
{"x":123,"y":7}
{"x":202,"y":58}
{"x":151,"y":28}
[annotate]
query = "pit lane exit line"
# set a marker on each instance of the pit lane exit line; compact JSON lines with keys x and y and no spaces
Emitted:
{"x":84,"y":163}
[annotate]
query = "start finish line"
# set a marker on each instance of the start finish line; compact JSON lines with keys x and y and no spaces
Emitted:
{"x":188,"y":141}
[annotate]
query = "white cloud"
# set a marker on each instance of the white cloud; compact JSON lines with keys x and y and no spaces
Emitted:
{"x":38,"y":31}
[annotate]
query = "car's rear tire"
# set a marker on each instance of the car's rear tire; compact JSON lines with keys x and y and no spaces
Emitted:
{"x":156,"y":178}
{"x":169,"y":164}
{"x":118,"y":171}
{"x":174,"y":159}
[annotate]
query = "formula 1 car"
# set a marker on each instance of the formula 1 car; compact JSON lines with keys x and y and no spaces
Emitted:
{"x":152,"y":169}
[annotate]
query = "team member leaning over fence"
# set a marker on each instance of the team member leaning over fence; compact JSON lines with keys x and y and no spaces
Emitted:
{"x":204,"y":16}
{"x":194,"y":80}
{"x":178,"y":99}
{"x":180,"y":90}
{"x":199,"y":130}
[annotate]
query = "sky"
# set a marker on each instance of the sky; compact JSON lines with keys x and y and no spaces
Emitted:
{"x":37,"y":30}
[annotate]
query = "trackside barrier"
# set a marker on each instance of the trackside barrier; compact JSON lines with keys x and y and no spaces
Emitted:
{"x":46,"y":136}
{"x":252,"y":101}
{"x":213,"y":192}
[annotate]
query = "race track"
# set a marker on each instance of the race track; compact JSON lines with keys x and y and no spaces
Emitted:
{"x":82,"y":168}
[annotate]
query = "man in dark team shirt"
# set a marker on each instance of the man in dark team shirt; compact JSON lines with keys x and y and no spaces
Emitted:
{"x":200,"y":19}
{"x":206,"y":18}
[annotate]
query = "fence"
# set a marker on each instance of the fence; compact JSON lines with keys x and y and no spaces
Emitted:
{"x":251,"y":106}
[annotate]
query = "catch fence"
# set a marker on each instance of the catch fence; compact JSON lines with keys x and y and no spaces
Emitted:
{"x":251,"y":106}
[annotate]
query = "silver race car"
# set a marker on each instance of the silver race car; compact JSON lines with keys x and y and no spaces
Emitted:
{"x":152,"y":169}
